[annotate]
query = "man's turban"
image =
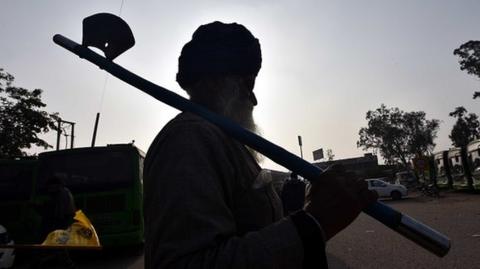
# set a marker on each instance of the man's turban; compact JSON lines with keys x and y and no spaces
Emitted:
{"x":219,"y":49}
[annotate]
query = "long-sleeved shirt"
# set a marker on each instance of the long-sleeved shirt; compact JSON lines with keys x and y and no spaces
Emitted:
{"x":206,"y":207}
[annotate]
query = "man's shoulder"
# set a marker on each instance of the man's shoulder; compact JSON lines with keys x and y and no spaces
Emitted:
{"x":187,"y":129}
{"x":190,"y":124}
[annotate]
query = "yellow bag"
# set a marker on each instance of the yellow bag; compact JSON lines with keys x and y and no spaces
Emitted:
{"x":80,"y":234}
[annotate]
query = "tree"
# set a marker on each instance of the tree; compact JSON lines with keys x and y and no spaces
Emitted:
{"x":469,"y":54}
{"x":397,"y":135}
{"x":21,"y":118}
{"x":466,"y":127}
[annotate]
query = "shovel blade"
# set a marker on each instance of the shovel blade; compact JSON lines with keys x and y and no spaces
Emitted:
{"x":108,"y":33}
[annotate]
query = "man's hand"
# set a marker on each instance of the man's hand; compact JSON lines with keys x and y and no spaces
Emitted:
{"x":337,"y":198}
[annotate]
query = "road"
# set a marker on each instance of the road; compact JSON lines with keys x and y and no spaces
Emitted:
{"x":368,"y":244}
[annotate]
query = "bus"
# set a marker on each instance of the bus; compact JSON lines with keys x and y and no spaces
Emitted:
{"x":107,"y":185}
{"x":457,"y":160}
{"x":16,"y":189}
{"x":442,"y":170}
{"x":473,"y":150}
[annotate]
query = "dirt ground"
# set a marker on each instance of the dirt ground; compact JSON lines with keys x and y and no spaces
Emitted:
{"x":369,"y":244}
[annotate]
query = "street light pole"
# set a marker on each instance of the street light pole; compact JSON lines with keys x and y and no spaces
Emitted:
{"x":95,"y":130}
{"x":300,"y":144}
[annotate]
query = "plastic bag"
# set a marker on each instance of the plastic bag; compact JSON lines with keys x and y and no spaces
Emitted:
{"x":80,"y":234}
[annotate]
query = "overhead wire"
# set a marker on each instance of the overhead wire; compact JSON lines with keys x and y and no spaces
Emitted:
{"x":105,"y":82}
{"x":121,"y":7}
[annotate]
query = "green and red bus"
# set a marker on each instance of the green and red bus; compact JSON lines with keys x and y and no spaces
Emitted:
{"x":106,"y":183}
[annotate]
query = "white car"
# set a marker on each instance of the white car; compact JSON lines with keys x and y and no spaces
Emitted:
{"x":385,"y":189}
{"x":7,"y":255}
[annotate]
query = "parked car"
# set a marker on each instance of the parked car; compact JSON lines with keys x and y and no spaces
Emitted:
{"x":385,"y":189}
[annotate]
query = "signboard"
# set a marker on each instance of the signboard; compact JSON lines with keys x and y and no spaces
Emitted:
{"x":318,"y":154}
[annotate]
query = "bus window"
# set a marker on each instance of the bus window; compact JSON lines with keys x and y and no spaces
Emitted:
{"x":475,"y":162}
{"x":88,"y":171}
{"x":440,"y":169}
{"x":457,"y":169}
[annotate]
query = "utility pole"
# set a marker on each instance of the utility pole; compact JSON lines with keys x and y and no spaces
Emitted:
{"x":66,"y":139}
{"x":59,"y":132}
{"x":71,"y":136}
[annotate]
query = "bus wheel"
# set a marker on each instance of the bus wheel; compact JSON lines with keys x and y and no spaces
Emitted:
{"x":396,"y":195}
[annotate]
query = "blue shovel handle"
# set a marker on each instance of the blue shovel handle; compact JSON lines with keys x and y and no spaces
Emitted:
{"x":414,"y":230}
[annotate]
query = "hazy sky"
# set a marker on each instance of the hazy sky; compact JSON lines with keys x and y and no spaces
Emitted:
{"x":325,"y":64}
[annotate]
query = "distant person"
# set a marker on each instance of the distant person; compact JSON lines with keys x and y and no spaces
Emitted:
{"x":207,"y":202}
{"x":60,"y":207}
{"x":58,"y":213}
{"x":293,"y":194}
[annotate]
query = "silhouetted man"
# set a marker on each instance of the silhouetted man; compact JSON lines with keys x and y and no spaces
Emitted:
{"x":207,"y":203}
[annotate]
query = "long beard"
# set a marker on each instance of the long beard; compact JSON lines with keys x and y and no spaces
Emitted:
{"x":241,"y":111}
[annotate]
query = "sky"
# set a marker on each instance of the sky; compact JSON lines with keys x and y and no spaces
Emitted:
{"x":325,"y":64}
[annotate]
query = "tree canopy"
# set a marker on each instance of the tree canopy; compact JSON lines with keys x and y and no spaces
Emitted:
{"x":21,"y":118}
{"x":397,"y":135}
{"x":465,"y":129}
{"x":469,"y":54}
